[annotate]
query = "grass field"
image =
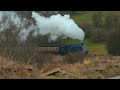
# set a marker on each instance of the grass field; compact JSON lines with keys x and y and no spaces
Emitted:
{"x":87,"y":17}
{"x":100,"y":48}
{"x":81,"y":19}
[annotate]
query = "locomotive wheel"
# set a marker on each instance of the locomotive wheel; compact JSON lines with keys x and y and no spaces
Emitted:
{"x":73,"y":57}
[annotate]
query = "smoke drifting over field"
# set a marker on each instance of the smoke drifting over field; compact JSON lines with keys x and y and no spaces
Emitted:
{"x":56,"y":25}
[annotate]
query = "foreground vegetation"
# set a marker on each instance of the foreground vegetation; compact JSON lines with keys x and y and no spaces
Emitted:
{"x":101,"y":67}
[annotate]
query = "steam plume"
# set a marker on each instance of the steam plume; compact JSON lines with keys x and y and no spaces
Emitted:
{"x":56,"y":25}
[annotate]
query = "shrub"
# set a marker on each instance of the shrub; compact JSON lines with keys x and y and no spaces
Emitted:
{"x":88,"y":29}
{"x":98,"y":19}
{"x":74,"y":57}
{"x":112,"y":20}
{"x":99,"y":35}
{"x":113,"y":42}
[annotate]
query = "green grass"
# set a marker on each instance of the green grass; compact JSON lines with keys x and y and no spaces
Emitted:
{"x":81,"y":19}
{"x":100,"y":48}
{"x":87,"y":17}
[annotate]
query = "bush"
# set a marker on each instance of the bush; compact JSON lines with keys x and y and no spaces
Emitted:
{"x":99,"y":35}
{"x":74,"y":57}
{"x":113,"y":42}
{"x":17,"y":53}
{"x":43,"y":58}
{"x":98,"y":19}
{"x":88,"y":29}
{"x":27,"y":55}
{"x":112,"y":20}
{"x":9,"y":36}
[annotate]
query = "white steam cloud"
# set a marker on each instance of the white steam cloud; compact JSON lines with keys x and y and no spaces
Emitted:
{"x":55,"y":26}
{"x":58,"y":25}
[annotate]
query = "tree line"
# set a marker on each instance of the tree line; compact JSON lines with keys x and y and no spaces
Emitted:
{"x":105,"y":28}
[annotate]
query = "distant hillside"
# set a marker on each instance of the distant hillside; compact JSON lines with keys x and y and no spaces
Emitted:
{"x":87,"y":16}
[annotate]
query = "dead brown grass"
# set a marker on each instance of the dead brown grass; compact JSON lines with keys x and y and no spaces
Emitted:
{"x":17,"y":70}
{"x":100,"y":67}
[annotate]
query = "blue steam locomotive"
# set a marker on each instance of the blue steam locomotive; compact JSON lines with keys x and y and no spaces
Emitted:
{"x":63,"y":50}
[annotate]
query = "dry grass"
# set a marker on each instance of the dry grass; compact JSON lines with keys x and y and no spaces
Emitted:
{"x":17,"y":70}
{"x":93,"y":68}
{"x":29,"y":55}
{"x":99,"y":68}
